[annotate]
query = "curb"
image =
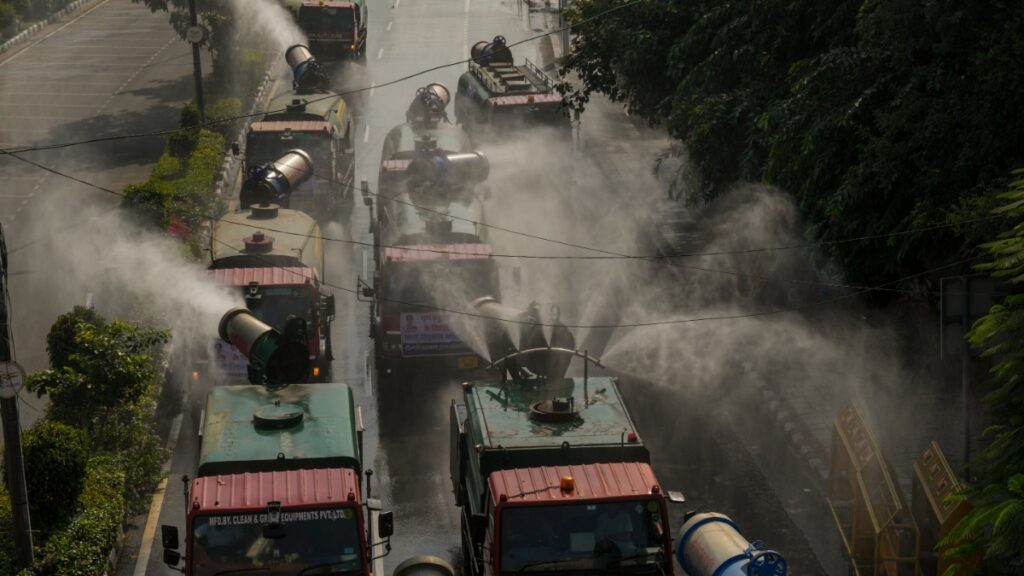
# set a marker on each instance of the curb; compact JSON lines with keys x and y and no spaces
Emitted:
{"x":231,"y":164}
{"x":35,"y":28}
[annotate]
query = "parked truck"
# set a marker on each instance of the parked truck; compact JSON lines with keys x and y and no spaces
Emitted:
{"x":336,"y":30}
{"x":278,"y":487}
{"x":430,"y":249}
{"x":496,"y":96}
{"x":550,"y":472}
{"x":275,"y":258}
{"x":313,"y":118}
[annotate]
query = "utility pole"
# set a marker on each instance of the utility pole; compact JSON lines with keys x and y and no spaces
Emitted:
{"x":195,"y":36}
{"x":11,"y":376}
{"x":562,"y":5}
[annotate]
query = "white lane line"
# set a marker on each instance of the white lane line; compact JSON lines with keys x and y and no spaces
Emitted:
{"x":380,"y":53}
{"x":6,"y":93}
{"x":366,"y":134}
{"x":465,"y":31}
{"x":365,"y":265}
{"x":372,"y":86}
{"x":397,"y":2}
{"x":390,"y":23}
{"x":41,"y":40}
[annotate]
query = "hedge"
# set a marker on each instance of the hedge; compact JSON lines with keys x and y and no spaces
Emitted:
{"x":83,"y":547}
{"x":179,"y":196}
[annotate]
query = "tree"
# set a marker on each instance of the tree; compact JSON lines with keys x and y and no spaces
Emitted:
{"x":60,"y":340}
{"x":55,"y":462}
{"x":995,"y":525}
{"x":107,"y":388}
{"x":878,"y":117}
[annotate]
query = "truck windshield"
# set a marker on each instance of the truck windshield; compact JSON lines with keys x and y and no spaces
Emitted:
{"x":316,"y":20}
{"x":444,"y":283}
{"x":234,"y":543}
{"x":616,"y":536}
{"x":276,"y":304}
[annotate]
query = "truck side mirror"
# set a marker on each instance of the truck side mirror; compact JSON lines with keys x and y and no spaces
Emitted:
{"x":676,"y":497}
{"x":169,"y":537}
{"x":385,"y":524}
{"x":236,"y":150}
{"x":364,"y":187}
{"x":171,"y":557}
{"x":329,"y":306}
{"x":478,"y":523}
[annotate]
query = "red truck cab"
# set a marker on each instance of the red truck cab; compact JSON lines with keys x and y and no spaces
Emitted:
{"x":318,"y":512}
{"x":585,"y":517}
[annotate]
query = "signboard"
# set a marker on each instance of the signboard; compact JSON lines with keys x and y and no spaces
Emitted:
{"x":228,"y":360}
{"x":12,"y":379}
{"x":428,"y":334}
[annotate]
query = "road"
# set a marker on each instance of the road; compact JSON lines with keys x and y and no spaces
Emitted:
{"x":407,"y":443}
{"x":112,"y":67}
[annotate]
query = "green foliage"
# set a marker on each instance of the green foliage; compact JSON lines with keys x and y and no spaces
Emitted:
{"x":995,"y":526}
{"x":7,"y":549}
{"x":55,"y":459}
{"x":60,"y":340}
{"x":182,"y":143}
{"x":878,"y":116}
{"x":107,"y":388}
{"x":82,"y":547}
{"x":179,"y":195}
{"x":222,"y":109}
{"x":7,"y":16}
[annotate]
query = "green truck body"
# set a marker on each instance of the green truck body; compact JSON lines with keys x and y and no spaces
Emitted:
{"x":326,"y":437}
{"x":552,"y":476}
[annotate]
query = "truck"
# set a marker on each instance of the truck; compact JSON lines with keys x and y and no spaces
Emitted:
{"x":495,"y":96}
{"x":274,"y":258}
{"x":313,"y":118}
{"x":429,"y":248}
{"x":336,"y":30}
{"x":549,"y":471}
{"x":278,"y":485}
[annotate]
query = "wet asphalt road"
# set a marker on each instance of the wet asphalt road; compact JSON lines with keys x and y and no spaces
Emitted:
{"x":110,"y":68}
{"x":407,"y":440}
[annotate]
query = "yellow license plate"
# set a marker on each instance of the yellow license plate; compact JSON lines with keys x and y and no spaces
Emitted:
{"x":469,"y":362}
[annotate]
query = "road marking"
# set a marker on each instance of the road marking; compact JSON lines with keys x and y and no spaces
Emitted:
{"x":380,"y":53}
{"x":397,"y":2}
{"x":147,"y":535}
{"x":366,"y":134}
{"x":389,"y":25}
{"x":465,"y":31}
{"x":41,"y":40}
{"x":365,"y":274}
{"x":372,"y":86}
{"x":157,"y":504}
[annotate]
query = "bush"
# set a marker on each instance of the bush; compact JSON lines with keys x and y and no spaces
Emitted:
{"x":221,"y":109}
{"x":55,"y":461}
{"x":7,"y":550}
{"x":7,"y":17}
{"x":60,"y":341}
{"x":180,"y":144}
{"x":81,"y":548}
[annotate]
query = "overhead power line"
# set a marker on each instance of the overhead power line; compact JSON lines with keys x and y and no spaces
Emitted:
{"x":208,"y":123}
{"x":609,"y":254}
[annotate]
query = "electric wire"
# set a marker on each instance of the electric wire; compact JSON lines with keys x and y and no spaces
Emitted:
{"x":208,"y":123}
{"x":214,"y":219}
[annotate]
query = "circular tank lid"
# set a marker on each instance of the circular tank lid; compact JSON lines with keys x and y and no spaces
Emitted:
{"x":264,"y":211}
{"x":277,"y":416}
{"x":562,"y":409}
